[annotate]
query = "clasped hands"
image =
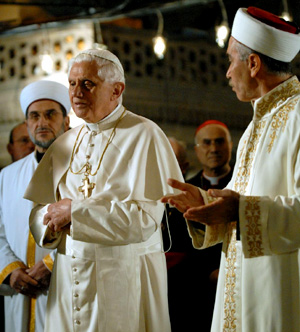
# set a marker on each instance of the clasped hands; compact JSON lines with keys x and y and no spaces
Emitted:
{"x":224,"y":209}
{"x":58,"y":216}
{"x":30,"y":281}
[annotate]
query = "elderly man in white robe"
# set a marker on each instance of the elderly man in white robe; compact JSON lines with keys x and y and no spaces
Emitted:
{"x":25,"y":268}
{"x":99,"y":206}
{"x":258,"y":216}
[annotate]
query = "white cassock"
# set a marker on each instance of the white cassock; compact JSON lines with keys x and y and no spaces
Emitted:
{"x":258,"y":287}
{"x":110,"y":271}
{"x":17,"y":249}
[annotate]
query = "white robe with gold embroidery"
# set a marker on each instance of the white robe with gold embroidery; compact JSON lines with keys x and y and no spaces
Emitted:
{"x":259,"y":286}
{"x":14,"y":250}
{"x":110,"y":271}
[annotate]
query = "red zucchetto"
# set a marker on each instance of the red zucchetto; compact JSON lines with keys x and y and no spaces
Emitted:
{"x":210,"y":122}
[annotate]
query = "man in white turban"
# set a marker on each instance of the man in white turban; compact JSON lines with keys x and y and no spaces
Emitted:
{"x":99,"y":206}
{"x":25,"y":268}
{"x":257,"y":217}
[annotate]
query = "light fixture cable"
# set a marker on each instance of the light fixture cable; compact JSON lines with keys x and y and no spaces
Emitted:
{"x":159,"y":42}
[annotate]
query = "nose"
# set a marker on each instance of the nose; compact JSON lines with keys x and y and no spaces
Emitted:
{"x":214,"y":146}
{"x":42,"y":120}
{"x":228,"y":73}
{"x":76,"y":91}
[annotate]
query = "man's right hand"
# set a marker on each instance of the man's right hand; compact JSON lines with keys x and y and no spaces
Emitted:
{"x":22,"y":283}
{"x":189,"y":197}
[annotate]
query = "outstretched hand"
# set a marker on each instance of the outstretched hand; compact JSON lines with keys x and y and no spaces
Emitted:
{"x":189,"y":197}
{"x":190,"y":202}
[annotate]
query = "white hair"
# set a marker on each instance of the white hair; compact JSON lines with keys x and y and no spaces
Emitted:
{"x":108,"y":71}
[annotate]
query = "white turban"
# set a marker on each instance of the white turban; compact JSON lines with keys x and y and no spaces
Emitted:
{"x":45,"y":90}
{"x":104,"y":54}
{"x":263,"y":38}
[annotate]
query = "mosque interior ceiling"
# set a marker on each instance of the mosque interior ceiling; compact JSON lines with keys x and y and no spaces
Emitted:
{"x":183,"y":18}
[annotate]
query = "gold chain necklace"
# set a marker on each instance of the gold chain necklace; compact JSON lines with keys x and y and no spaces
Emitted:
{"x":87,"y":187}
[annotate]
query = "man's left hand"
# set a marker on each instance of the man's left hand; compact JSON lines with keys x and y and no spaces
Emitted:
{"x":223,"y":210}
{"x":40,"y":273}
{"x":59,"y":215}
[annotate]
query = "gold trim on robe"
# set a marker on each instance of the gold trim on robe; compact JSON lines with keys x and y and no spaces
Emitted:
{"x":9,"y":269}
{"x":48,"y":261}
{"x":31,"y":263}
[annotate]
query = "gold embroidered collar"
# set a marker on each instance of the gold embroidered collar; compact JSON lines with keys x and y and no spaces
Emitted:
{"x":276,"y":97}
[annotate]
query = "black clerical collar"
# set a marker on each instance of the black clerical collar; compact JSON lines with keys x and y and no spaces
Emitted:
{"x":39,"y":156}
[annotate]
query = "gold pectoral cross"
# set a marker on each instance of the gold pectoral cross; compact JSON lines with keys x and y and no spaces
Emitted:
{"x":87,"y":187}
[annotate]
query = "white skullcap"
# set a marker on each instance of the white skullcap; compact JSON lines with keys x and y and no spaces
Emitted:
{"x":104,"y":54}
{"x":263,"y":38}
{"x":45,"y":90}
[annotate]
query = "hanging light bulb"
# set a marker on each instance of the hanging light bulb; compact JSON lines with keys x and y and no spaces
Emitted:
{"x":222,"y":32}
{"x":47,"y":63}
{"x":286,"y":16}
{"x":159,"y":46}
{"x":159,"y":42}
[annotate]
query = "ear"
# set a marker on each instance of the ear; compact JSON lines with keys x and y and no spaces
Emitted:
{"x":254,"y":64}
{"x":67,"y":123}
{"x":118,"y":89}
{"x":9,"y":148}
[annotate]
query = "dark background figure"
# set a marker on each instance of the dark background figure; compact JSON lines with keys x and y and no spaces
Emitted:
{"x":20,"y":144}
{"x":213,"y":147}
{"x":193,"y":274}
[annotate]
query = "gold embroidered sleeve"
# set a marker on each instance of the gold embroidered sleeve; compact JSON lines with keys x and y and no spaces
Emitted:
{"x":10,"y":268}
{"x":48,"y":261}
{"x":213,"y":234}
{"x":251,"y":226}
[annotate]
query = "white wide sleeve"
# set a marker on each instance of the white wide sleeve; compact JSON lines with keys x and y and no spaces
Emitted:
{"x":271,"y":225}
{"x":43,"y":236}
{"x":114,"y":223}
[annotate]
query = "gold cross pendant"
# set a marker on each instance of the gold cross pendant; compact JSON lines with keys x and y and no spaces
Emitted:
{"x":87,"y":187}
